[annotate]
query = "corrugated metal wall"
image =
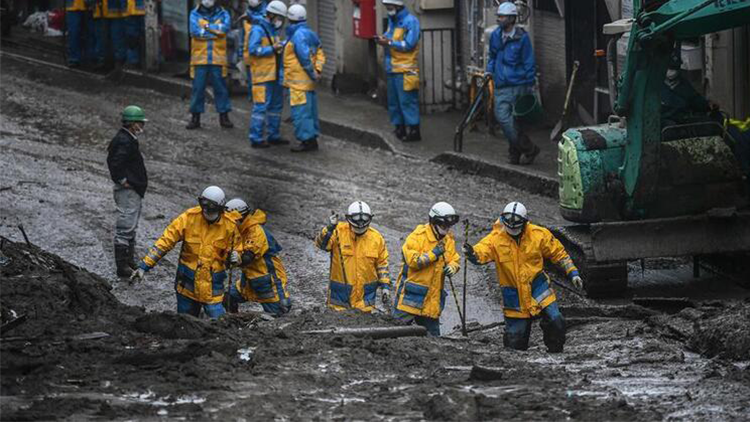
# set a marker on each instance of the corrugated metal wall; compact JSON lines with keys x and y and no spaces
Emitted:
{"x":327,"y":31}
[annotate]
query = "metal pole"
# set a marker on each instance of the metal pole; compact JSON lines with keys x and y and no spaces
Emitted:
{"x":466,"y":264}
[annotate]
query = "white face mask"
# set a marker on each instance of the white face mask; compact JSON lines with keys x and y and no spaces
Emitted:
{"x":137,"y":129}
{"x":514,"y":232}
{"x":358,"y":231}
{"x":441,"y":231}
{"x":278,"y":23}
{"x":672,"y":74}
{"x":208,"y":3}
{"x":392,"y":11}
{"x":211,"y":217}
{"x":253,"y":3}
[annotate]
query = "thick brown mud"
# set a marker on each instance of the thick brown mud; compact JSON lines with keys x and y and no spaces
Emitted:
{"x":99,"y":348}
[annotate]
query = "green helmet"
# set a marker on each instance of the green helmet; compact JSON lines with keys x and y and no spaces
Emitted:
{"x":133,"y":114}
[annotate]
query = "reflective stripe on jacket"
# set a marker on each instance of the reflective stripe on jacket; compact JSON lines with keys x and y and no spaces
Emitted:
{"x":403,"y":55}
{"x":303,"y":58}
{"x":209,"y":46}
{"x":512,"y":62}
{"x":420,"y":284}
{"x":365,"y":262}
{"x":205,"y":247}
{"x":526,"y":289}
{"x":265,"y":277}
{"x":263,"y":59}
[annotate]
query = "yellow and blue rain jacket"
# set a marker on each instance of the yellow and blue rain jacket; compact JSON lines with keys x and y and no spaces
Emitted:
{"x":209,"y":45}
{"x":205,"y":247}
{"x":421,"y":282}
{"x":525,"y":287}
{"x":135,"y":8}
{"x":253,"y":16}
{"x":264,"y":280}
{"x":75,"y":6}
{"x":303,"y":58}
{"x":264,"y":63}
{"x":365,"y":266}
{"x":403,"y":54}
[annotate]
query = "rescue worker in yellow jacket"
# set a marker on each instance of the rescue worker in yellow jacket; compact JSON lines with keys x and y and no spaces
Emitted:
{"x":303,"y":64}
{"x":209,"y":25}
{"x":263,"y":277}
{"x":359,"y":261}
{"x":207,"y":234}
{"x":519,"y":249}
{"x":429,"y":254}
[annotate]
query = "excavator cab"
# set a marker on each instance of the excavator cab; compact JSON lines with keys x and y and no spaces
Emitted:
{"x":639,"y":186}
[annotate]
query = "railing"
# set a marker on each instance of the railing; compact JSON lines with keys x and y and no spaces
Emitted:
{"x":437,"y":63}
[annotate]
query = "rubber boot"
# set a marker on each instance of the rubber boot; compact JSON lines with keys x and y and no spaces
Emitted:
{"x":400,"y":132}
{"x":527,"y":159}
{"x":121,"y":260}
{"x":131,"y":256}
{"x":230,"y":305}
{"x":195,"y":122}
{"x":311,"y":145}
{"x":225,"y":122}
{"x":414,"y":135}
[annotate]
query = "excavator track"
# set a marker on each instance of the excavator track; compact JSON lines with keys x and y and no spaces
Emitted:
{"x":601,"y":279}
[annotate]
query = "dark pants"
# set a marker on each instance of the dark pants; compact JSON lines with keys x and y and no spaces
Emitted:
{"x":431,"y":324}
{"x":518,"y":330}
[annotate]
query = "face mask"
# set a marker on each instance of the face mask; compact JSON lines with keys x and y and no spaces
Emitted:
{"x":672,"y":74}
{"x":137,"y":129}
{"x":207,"y":3}
{"x":253,"y":3}
{"x":211,"y":216}
{"x":442,"y":231}
{"x":514,"y":232}
{"x":358,"y":230}
{"x":391,"y":12}
{"x":278,"y":23}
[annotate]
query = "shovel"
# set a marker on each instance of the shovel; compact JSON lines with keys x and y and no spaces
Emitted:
{"x":562,"y":123}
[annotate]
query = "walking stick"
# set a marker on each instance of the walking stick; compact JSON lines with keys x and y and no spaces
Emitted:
{"x":460,"y":314}
{"x":466,"y":265}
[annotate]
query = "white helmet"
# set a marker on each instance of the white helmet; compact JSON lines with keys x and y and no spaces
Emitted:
{"x":507,"y":9}
{"x":297,"y":13}
{"x":394,"y":2}
{"x":238,"y":205}
{"x":514,"y":218}
{"x":443,"y":215}
{"x":276,"y":7}
{"x":253,"y":3}
{"x":359,"y":216}
{"x":212,"y":203}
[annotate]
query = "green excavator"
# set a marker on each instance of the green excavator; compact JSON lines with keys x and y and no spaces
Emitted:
{"x":639,"y":188}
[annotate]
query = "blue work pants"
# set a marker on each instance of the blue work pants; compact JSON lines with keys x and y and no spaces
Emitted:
{"x":202,"y":75}
{"x":305,"y":118}
{"x":403,"y":106}
{"x":518,"y":330}
{"x":185,"y":305}
{"x":276,"y":309}
{"x":118,"y":31}
{"x":134,"y":28}
{"x":265,"y":120}
{"x":81,"y":36}
{"x":505,"y":101}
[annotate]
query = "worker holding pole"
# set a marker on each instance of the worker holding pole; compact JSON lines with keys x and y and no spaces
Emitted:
{"x":429,"y":256}
{"x":518,"y":249}
{"x":359,"y":261}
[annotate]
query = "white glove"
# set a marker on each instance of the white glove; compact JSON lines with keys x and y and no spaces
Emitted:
{"x":385,"y":296}
{"x":450,"y":271}
{"x":234,"y":258}
{"x":577,"y":281}
{"x":333,"y":219}
{"x":138,"y":275}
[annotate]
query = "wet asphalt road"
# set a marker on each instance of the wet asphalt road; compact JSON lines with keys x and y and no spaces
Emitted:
{"x":54,"y":134}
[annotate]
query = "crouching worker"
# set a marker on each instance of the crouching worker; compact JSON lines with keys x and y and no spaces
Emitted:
{"x":263,"y":277}
{"x":359,"y":261}
{"x":518,"y":249}
{"x":429,"y":256}
{"x":207,"y":234}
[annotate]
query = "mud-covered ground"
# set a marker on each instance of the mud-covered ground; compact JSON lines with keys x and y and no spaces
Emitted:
{"x":621,"y":362}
